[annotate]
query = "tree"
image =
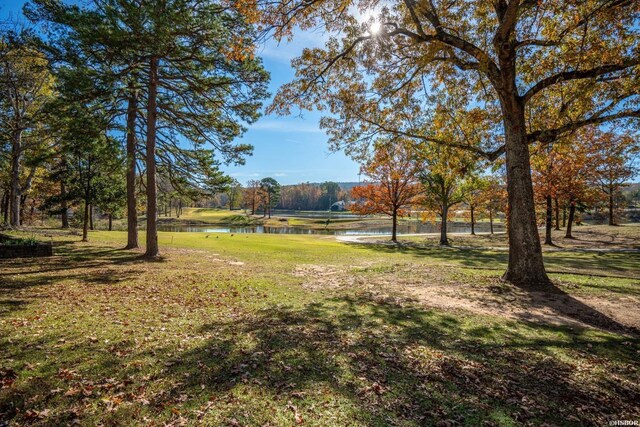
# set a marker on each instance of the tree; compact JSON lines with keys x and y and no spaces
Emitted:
{"x":442,"y":176}
{"x":546,"y":175}
{"x":494,"y":198}
{"x":330,"y":192}
{"x":393,"y":187}
{"x":251,"y":195}
{"x":566,"y":166}
{"x":93,"y":160}
{"x":26,"y":85}
{"x":614,"y":155}
{"x":111,"y":190}
{"x":270,"y":189}
{"x":509,"y":56}
{"x":234,"y":194}
{"x":201,"y":77}
{"x":474,"y":191}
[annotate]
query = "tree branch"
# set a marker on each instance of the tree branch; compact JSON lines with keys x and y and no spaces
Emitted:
{"x":579,"y":74}
{"x":550,"y":135}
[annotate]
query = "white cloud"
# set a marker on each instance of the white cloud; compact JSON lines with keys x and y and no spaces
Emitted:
{"x":287,"y":126}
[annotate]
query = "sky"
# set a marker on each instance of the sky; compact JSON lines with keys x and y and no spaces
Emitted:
{"x":291,"y":149}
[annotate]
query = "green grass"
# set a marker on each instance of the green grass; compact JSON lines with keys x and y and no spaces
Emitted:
{"x":289,"y":330}
{"x":26,"y":241}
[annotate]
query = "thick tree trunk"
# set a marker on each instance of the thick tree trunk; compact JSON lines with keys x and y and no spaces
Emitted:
{"x":394,"y":226}
{"x":557,"y":213}
{"x":64,"y":214}
{"x":152,"y":196}
{"x":110,"y":222}
{"x":526,"y":266}
{"x":473,"y":221}
{"x":132,"y":213}
{"x":491,"y":220}
{"x":443,"y":225}
{"x":91,"y":217}
{"x":572,"y":212}
{"x":611,"y":217}
{"x":548,"y":226}
{"x":14,"y":202}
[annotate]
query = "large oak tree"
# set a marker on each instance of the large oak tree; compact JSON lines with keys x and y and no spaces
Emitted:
{"x":576,"y":60}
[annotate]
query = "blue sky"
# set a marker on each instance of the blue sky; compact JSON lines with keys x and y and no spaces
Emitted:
{"x":290,"y":149}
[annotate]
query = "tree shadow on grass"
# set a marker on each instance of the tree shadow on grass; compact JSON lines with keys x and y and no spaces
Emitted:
{"x":355,"y":361}
{"x":401,"y":365}
{"x":93,"y":267}
{"x":558,"y":300}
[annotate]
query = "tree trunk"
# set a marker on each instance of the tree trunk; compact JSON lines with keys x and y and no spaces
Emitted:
{"x":5,"y":207}
{"x":564,"y":216}
{"x":85,"y":221}
{"x":152,"y":201}
{"x":443,"y":225}
{"x":110,"y":222}
{"x":526,"y":266}
{"x":132,"y":213}
{"x":491,"y":220}
{"x":572,"y":212}
{"x":394,"y":227}
{"x":23,"y":205}
{"x":557,"y":213}
{"x":473,"y":221}
{"x":548,"y":226}
{"x":14,"y":201}
{"x":91,"y":217}
{"x":611,"y":218}
{"x":64,"y":214}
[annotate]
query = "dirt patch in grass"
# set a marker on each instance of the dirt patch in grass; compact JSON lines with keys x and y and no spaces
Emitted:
{"x":489,"y":296}
{"x":318,"y":277}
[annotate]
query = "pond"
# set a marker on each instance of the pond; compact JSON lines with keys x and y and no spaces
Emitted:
{"x":410,"y":228}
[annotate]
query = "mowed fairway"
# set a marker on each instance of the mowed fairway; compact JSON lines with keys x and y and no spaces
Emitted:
{"x":285,"y":330}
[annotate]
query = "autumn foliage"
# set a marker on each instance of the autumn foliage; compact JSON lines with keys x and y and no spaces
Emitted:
{"x":393,"y":187}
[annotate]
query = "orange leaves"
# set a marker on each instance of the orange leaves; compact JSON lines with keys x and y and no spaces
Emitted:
{"x":571,"y":168}
{"x":249,"y":9}
{"x":392,"y":172}
{"x":239,"y":50}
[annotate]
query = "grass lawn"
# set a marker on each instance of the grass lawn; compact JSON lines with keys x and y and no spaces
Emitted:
{"x":287,"y":330}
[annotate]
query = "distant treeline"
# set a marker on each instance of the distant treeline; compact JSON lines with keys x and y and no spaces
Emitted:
{"x":314,"y":196}
{"x":304,"y":196}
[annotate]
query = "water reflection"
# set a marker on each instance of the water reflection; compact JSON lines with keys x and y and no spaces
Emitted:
{"x":411,"y":228}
